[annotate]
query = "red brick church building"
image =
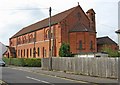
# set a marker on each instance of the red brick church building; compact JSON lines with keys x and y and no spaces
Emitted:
{"x":72,"y":26}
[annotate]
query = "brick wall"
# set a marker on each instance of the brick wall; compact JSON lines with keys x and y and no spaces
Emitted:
{"x":78,"y":16}
{"x":24,"y":44}
{"x":85,"y":38}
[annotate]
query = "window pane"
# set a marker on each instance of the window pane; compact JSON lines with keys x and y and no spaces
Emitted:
{"x":80,"y":45}
{"x":21,"y":53}
{"x":91,"y":45}
{"x":24,"y":52}
{"x":27,"y":53}
{"x":38,"y":51}
{"x":34,"y":52}
{"x":30,"y":52}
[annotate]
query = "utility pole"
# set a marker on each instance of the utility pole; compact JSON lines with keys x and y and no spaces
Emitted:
{"x":50,"y":51}
{"x":53,"y":42}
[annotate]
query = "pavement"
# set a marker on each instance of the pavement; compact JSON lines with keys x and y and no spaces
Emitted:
{"x":62,"y":74}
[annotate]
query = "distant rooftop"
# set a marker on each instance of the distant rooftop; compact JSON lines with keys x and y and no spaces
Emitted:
{"x":105,"y":40}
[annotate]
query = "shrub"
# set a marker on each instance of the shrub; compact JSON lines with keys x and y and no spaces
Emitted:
{"x":7,"y":60}
{"x":30,"y":62}
{"x":111,"y":53}
{"x":64,"y":50}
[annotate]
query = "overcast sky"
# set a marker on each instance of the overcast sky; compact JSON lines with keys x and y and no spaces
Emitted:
{"x":16,"y":14}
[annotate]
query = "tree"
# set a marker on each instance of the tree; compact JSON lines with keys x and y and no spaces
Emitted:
{"x":111,"y":53}
{"x":64,"y":50}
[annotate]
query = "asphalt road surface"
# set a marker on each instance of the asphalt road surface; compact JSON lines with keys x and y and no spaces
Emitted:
{"x":16,"y":77}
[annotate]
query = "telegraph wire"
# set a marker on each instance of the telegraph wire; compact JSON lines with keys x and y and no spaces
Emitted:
{"x":27,"y":9}
{"x":106,"y":25}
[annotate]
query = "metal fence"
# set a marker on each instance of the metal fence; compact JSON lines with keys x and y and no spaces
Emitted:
{"x":101,"y":67}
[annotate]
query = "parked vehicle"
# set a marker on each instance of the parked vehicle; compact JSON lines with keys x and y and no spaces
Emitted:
{"x":2,"y":63}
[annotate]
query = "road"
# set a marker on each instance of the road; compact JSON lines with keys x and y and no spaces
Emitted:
{"x":16,"y":77}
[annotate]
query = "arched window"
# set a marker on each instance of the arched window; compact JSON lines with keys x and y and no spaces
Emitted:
{"x":24,"y":39}
{"x":47,"y":34}
{"x":28,"y":38}
{"x":21,"y":53}
{"x":31,"y":38}
{"x":34,"y":52}
{"x":38,"y":51}
{"x":27,"y":53}
{"x":43,"y":52}
{"x":19,"y":41}
{"x":24,"y":52}
{"x":80,"y":45}
{"x":30,"y":52}
{"x":91,"y":45}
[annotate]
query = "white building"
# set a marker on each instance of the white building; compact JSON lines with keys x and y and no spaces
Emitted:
{"x":3,"y":49}
{"x":118,"y":32}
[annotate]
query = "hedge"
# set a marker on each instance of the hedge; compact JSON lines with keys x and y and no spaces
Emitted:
{"x":30,"y":62}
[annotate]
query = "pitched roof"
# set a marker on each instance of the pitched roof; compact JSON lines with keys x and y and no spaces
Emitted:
{"x":105,"y":40}
{"x":79,"y":27}
{"x":118,"y":31}
{"x":12,"y":49}
{"x":45,"y":23}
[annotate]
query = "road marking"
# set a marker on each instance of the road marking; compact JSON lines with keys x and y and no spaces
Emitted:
{"x":39,"y":80}
{"x":77,"y":81}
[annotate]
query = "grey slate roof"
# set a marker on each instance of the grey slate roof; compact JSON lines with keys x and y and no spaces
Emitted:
{"x":105,"y":40}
